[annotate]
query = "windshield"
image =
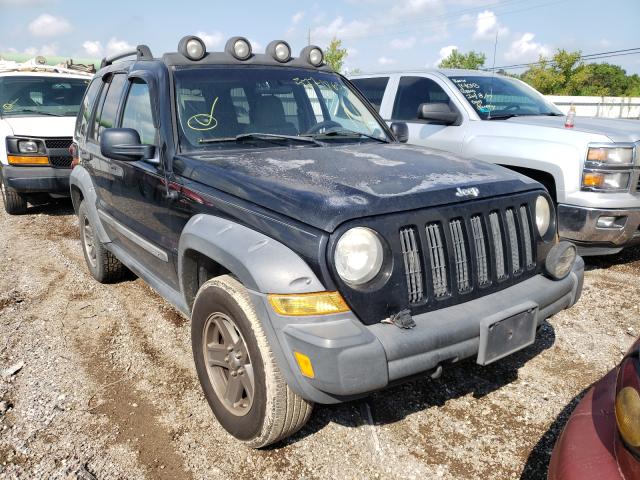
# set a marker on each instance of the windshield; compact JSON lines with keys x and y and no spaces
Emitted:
{"x":32,"y":95}
{"x":268,"y":105}
{"x":499,"y":96}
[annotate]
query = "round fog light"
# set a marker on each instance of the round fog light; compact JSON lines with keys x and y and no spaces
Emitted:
{"x":241,"y":49}
{"x":560,"y":260}
{"x":315,"y":57}
{"x":279,"y":50}
{"x":195,"y":49}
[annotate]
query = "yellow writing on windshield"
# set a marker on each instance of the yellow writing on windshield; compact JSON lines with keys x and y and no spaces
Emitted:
{"x":202,"y":122}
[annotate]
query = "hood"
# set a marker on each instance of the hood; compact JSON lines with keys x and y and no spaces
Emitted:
{"x":46,"y":126}
{"x":618,"y":130}
{"x":326,"y":186}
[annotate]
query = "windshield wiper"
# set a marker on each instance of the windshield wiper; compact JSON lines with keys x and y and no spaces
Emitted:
{"x":347,"y":133}
{"x":29,"y":110}
{"x":269,"y":137}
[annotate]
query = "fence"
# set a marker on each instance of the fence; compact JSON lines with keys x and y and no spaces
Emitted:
{"x":604,"y":107}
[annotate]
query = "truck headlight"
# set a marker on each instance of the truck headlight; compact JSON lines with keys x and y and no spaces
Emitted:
{"x":543,"y":215}
{"x":358,"y":255}
{"x":27,"y":146}
{"x":595,"y":180}
{"x":617,"y":156}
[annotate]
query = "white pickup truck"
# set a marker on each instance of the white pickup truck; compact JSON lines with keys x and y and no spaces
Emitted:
{"x":38,"y":108}
{"x":591,"y":170}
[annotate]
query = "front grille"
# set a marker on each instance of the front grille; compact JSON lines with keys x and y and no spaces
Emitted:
{"x":464,"y":254}
{"x":58,"y":142}
{"x":61,"y":161}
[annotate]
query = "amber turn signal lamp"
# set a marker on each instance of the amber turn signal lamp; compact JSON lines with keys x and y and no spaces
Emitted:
{"x":304,"y":363}
{"x":321,"y":303}
{"x":594,"y":180}
{"x":27,"y":160}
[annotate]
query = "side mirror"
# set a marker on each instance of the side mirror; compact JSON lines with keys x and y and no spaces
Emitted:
{"x":400,"y":130}
{"x":438,"y":113}
{"x":124,"y":144}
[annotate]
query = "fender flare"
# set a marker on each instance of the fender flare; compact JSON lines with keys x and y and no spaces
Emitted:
{"x":81,"y":180}
{"x":260,"y":263}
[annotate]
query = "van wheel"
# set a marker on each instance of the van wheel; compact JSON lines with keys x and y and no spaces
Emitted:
{"x":14,"y":203}
{"x":103,"y":265}
{"x":237,"y":370}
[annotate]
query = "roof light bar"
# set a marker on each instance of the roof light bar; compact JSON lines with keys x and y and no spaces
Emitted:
{"x":238,"y":47}
{"x":192,"y":47}
{"x":279,"y":50}
{"x":313,"y":54}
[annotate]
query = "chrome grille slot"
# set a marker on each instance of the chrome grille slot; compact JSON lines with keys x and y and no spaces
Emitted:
{"x":460,"y":253}
{"x":513,"y":241}
{"x":496,"y":235}
{"x":438,"y":260}
{"x":481,"y":250}
{"x":526,"y":236}
{"x":412,"y":264}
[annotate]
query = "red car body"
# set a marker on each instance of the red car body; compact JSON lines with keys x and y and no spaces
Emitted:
{"x":590,"y":446}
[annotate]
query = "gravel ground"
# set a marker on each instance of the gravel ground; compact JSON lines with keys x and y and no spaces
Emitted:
{"x":106,"y":386}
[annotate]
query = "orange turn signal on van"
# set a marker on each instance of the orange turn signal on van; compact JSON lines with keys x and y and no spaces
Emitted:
{"x":27,"y":160}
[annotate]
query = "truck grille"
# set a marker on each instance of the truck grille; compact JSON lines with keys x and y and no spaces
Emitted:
{"x":461,"y":254}
{"x":58,"y":142}
{"x":61,"y":161}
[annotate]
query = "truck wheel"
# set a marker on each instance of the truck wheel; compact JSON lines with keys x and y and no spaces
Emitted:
{"x":237,"y":369}
{"x":14,"y":203}
{"x":103,"y":265}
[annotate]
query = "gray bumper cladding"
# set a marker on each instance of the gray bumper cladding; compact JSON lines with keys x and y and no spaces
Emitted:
{"x":350,"y":359}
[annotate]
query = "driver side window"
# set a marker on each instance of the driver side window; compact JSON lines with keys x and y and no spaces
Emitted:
{"x":414,"y":91}
{"x":138,"y":114}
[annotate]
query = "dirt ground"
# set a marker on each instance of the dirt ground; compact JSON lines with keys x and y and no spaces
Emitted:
{"x":107,"y":387}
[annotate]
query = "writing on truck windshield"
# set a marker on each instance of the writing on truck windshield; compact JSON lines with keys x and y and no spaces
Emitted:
{"x":217,"y":104}
{"x":498,"y":96}
{"x":34,"y":95}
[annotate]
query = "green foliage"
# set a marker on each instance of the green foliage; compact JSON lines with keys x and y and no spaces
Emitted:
{"x":471,"y":61}
{"x":335,"y":55}
{"x":567,"y":74}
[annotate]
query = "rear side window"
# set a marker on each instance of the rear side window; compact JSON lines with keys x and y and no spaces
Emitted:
{"x":86,"y":107}
{"x":138,"y":114}
{"x":414,"y":91}
{"x":373,"y":89}
{"x":108,"y":106}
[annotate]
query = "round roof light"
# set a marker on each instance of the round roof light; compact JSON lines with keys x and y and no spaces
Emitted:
{"x":313,"y":55}
{"x":239,"y":47}
{"x":279,"y":50}
{"x":192,"y":47}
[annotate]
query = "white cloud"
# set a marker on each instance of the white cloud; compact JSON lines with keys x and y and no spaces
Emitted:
{"x":93,"y":48}
{"x":297,"y":17}
{"x":211,"y":40}
{"x":524,"y":49}
{"x":444,"y":53}
{"x":487,"y":26}
{"x":23,"y":3}
{"x":48,"y":49}
{"x":340,"y":29}
{"x":386,"y":61}
{"x":115,"y":46}
{"x":403,"y":43}
{"x":49,"y":26}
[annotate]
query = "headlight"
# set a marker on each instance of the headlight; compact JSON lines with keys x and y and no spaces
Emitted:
{"x":543,"y":215}
{"x":560,"y":260}
{"x":618,"y":156}
{"x":606,"y":180}
{"x":27,"y":146}
{"x":627,"y":404}
{"x":359,"y":255}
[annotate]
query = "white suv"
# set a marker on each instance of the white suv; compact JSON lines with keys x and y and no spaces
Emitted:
{"x":590,"y":170}
{"x":38,"y":108}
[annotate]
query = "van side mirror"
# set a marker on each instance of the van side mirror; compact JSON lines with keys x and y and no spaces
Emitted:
{"x":124,"y":144}
{"x":400,"y":130}
{"x":438,"y":113}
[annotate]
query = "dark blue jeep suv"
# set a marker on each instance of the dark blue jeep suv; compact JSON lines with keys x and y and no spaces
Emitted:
{"x":318,"y":257}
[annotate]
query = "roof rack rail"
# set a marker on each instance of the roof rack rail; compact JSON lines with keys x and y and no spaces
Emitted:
{"x":142,"y":52}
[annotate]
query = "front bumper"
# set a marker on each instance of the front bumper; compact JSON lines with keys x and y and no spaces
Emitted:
{"x":579,"y":225}
{"x":351,"y":359}
{"x":37,"y":179}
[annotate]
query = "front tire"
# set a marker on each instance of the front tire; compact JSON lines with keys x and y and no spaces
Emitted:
{"x":237,"y":370}
{"x":103,"y":265}
{"x":14,"y":203}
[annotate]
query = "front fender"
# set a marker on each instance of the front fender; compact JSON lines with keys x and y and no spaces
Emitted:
{"x":81,"y":180}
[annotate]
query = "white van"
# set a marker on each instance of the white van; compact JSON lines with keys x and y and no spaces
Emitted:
{"x":38,"y":108}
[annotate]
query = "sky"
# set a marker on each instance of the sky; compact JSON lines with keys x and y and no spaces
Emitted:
{"x":378,"y":34}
